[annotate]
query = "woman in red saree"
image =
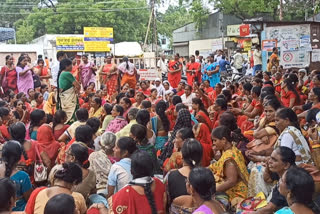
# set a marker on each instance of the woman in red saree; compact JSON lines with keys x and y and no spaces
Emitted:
{"x":201,"y":113}
{"x":203,"y":135}
{"x":8,"y":77}
{"x":175,"y":69}
{"x":47,"y":143}
{"x":109,"y":76}
{"x":75,"y":69}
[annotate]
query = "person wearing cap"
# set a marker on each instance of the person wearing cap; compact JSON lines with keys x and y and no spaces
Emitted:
{"x":193,"y":71}
{"x":174,"y":71}
{"x":159,"y":87}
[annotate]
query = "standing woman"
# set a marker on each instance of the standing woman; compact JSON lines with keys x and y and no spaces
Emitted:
{"x":68,"y":87}
{"x":8,"y":77}
{"x":43,"y":72}
{"x":108,"y":76}
{"x":128,"y":71}
{"x":174,"y":71}
{"x":75,"y":69}
{"x":160,"y":125}
{"x":24,"y":74}
{"x":11,"y":154}
{"x":87,"y":72}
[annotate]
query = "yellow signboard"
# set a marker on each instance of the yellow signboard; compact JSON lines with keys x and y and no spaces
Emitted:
{"x":98,"y":32}
{"x":96,"y":46}
{"x":70,"y":43}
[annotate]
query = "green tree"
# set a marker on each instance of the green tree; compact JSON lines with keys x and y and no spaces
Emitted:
{"x":70,"y":18}
{"x":297,"y":10}
{"x":245,"y":9}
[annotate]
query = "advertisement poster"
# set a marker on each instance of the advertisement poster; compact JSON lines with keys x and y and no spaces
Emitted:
{"x":268,"y":45}
{"x":294,"y":59}
{"x":290,"y":45}
{"x":96,"y":39}
{"x":315,"y":55}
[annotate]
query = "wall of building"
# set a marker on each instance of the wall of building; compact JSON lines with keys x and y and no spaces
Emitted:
{"x":16,"y":50}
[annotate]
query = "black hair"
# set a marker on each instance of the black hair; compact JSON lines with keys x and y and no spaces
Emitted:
{"x":70,"y":173}
{"x":2,"y":103}
{"x":287,"y":155}
{"x":146,"y":104}
{"x":203,"y":182}
{"x":60,"y":204}
{"x":60,"y":54}
{"x":40,"y":60}
{"x":153,"y":89}
{"x":161,"y":108}
{"x":222,"y":132}
{"x":222,"y":103}
{"x":301,"y":185}
{"x":311,"y":115}
{"x":58,"y":117}
{"x":20,"y":59}
{"x":84,"y":134}
{"x":120,"y":96}
{"x":256,"y":90}
{"x":63,"y":65}
{"x":141,"y":167}
{"x":192,"y":152}
{"x":190,"y":87}
{"x":81,"y":154}
{"x":228,"y":95}
{"x":98,"y":101}
{"x":291,"y":87}
{"x":186,"y":133}
{"x":127,"y":101}
{"x":294,"y":78}
{"x":36,"y":95}
{"x":197,"y":53}
{"x":316,"y":91}
{"x":82,"y":114}
{"x":11,"y":155}
{"x":274,"y":49}
{"x":88,"y":97}
{"x":247,"y":86}
{"x":140,"y":133}
{"x":229,"y":120}
{"x":143,"y":117}
{"x":94,"y":123}
{"x":127,"y":144}
{"x":119,"y":109}
{"x":36,"y":117}
{"x":108,"y":108}
{"x":15,"y":103}
{"x":18,"y":132}
{"x":132,"y":113}
{"x":258,"y":81}
{"x":288,"y":113}
{"x":4,"y":111}
{"x":7,"y":192}
{"x":268,"y":90}
{"x":274,"y":103}
{"x":49,"y":118}
{"x":180,"y":106}
{"x":176,"y":100}
{"x":43,"y":86}
{"x":199,"y":102}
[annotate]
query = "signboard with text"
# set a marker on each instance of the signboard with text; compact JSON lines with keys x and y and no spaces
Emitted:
{"x":96,"y":39}
{"x":70,"y":43}
{"x":233,"y":30}
{"x":148,"y":74}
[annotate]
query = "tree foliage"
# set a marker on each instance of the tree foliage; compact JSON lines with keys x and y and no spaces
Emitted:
{"x":245,"y":9}
{"x":71,"y":16}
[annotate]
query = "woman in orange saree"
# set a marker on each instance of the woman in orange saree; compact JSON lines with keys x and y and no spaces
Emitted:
{"x":109,"y":76}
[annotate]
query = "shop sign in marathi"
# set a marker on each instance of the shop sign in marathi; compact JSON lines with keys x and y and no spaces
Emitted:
{"x":70,"y":44}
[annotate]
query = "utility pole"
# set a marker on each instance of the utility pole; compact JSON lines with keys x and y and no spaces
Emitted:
{"x":155,"y":36}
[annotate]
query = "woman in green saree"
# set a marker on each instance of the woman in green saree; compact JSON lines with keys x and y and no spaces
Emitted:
{"x":67,"y":90}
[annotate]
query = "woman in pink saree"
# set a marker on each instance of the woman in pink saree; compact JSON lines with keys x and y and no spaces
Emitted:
{"x":87,"y":72}
{"x":24,"y":75}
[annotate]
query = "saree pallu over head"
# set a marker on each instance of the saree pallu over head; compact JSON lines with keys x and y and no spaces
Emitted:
{"x":203,"y":135}
{"x":69,"y":104}
{"x":47,"y":142}
{"x":204,"y":118}
{"x":241,"y":188}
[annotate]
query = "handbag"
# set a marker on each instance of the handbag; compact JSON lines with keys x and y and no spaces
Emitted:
{"x":40,"y":170}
